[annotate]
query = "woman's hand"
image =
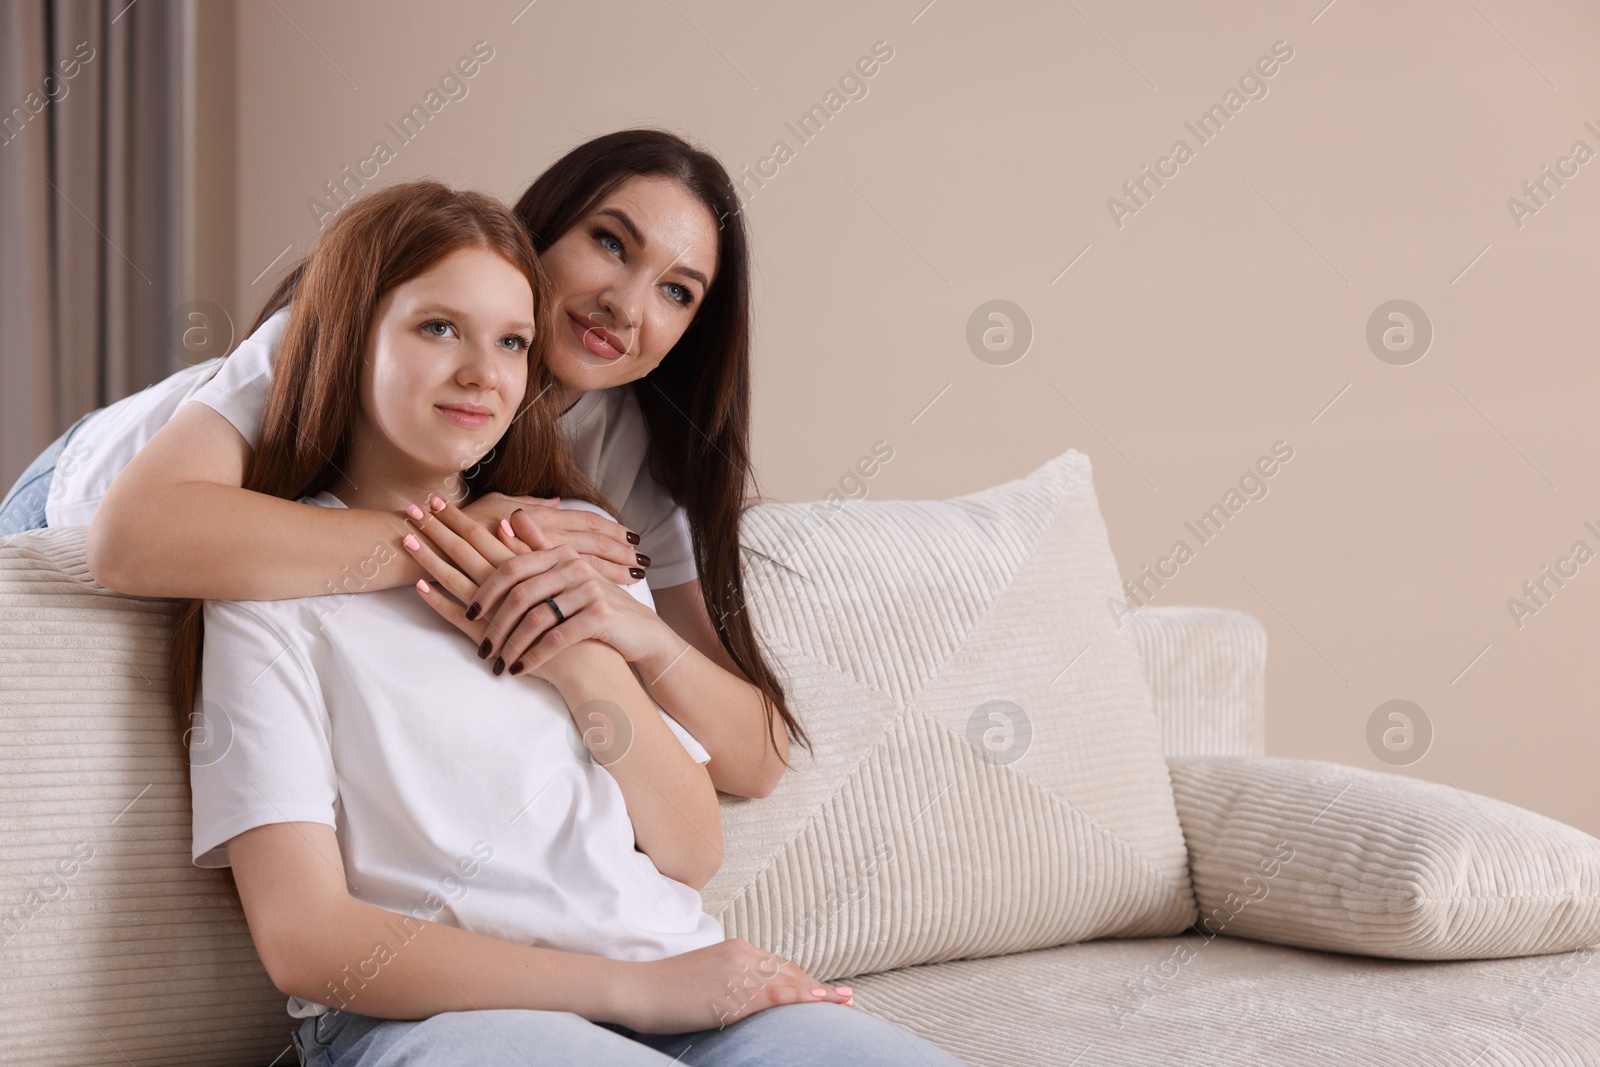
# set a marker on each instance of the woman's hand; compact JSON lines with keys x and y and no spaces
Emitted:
{"x":714,"y":986}
{"x":609,"y":545}
{"x":507,"y":584}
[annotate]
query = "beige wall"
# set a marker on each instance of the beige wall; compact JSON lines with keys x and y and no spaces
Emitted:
{"x":1227,"y":314}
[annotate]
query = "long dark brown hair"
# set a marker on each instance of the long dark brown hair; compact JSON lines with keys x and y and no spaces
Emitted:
{"x":696,"y":402}
{"x":383,"y":240}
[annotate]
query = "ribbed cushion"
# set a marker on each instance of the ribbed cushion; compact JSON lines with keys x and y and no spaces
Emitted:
{"x":1380,"y":864}
{"x":924,"y":829}
{"x":1192,"y":1002}
{"x":116,"y":949}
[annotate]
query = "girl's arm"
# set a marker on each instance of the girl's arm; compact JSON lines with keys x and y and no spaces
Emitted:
{"x":670,"y":798}
{"x":319,"y":943}
{"x":176,"y":523}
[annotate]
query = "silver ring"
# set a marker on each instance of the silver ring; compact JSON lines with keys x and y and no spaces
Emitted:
{"x":560,"y":618}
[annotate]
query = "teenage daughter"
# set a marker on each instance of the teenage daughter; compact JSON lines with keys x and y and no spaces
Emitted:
{"x":437,"y":865}
{"x":643,"y":238}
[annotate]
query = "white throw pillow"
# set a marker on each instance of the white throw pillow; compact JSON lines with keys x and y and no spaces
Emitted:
{"x":1321,"y":855}
{"x":988,"y":775}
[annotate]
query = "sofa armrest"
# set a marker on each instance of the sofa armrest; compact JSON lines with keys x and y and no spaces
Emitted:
{"x":1207,"y":670}
{"x":1324,"y":856}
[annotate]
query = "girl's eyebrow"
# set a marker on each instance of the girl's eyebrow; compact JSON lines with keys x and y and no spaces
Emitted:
{"x":638,"y":239}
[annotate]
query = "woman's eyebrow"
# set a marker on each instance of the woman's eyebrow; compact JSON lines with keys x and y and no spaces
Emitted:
{"x":627,"y":224}
{"x":638,"y":239}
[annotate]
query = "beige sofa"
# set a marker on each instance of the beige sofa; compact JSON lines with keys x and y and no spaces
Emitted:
{"x":117,"y":951}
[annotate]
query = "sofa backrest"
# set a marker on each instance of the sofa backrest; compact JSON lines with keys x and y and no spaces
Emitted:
{"x":116,"y":950}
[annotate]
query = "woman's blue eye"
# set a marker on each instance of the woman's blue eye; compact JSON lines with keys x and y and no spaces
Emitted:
{"x":679,"y":294}
{"x":606,"y":240}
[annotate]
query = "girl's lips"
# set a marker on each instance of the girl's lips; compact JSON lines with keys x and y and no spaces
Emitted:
{"x":592,"y":338}
{"x":462,"y":418}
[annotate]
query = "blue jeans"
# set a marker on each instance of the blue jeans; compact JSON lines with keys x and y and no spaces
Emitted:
{"x":790,"y":1035}
{"x":23,"y":507}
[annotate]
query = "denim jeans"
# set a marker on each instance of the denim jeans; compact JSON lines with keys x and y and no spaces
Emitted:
{"x":23,"y":507}
{"x":791,"y":1035}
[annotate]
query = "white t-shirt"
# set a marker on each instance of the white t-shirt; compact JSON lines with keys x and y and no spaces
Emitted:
{"x":457,"y":796}
{"x":605,"y":429}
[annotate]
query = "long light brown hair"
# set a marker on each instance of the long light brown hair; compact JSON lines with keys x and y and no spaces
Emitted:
{"x":383,"y":240}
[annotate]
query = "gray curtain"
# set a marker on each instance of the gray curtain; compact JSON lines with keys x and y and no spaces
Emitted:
{"x":92,"y":181}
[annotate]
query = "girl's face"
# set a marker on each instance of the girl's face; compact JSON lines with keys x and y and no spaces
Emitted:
{"x":452,"y":341}
{"x":628,"y":277}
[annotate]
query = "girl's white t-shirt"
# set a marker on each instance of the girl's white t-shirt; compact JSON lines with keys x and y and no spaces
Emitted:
{"x":605,"y":429}
{"x":457,"y":796}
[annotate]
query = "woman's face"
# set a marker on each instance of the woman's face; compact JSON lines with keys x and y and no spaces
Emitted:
{"x":629,"y":278}
{"x":454,"y":337}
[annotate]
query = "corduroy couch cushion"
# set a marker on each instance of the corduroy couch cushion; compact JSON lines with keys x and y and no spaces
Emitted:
{"x":1324,"y":856}
{"x":988,"y":774}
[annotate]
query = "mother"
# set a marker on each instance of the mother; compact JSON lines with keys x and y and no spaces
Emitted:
{"x":643,"y":240}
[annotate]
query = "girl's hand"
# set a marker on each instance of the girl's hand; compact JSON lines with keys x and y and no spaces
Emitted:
{"x":506,"y":585}
{"x":609,"y":545}
{"x":714,"y":986}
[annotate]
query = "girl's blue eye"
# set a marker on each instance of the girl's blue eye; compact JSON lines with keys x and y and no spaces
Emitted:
{"x":436,"y":322}
{"x":519,"y":342}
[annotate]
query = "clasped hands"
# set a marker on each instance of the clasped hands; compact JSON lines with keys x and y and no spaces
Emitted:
{"x":493,"y":579}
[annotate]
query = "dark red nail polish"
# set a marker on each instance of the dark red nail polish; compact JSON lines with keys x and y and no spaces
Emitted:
{"x":483,"y":649}
{"x":644,"y":560}
{"x":516,"y":668}
{"x":473,"y":609}
{"x":633,"y":538}
{"x":499,"y":665}
{"x":635,"y":572}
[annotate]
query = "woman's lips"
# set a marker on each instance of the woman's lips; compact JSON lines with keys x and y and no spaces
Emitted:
{"x":461,"y":418}
{"x":593,"y":338}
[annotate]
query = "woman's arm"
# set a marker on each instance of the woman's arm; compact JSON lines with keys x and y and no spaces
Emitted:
{"x":704,"y":689}
{"x":670,"y":798}
{"x":176,"y":523}
{"x":319,"y":943}
{"x":679,"y":656}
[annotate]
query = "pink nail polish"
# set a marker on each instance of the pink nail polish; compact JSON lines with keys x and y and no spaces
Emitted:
{"x":415,"y":512}
{"x":843,"y":990}
{"x":422,"y":586}
{"x":412,"y":543}
{"x":437,"y":504}
{"x":819,"y":992}
{"x":505,"y":528}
